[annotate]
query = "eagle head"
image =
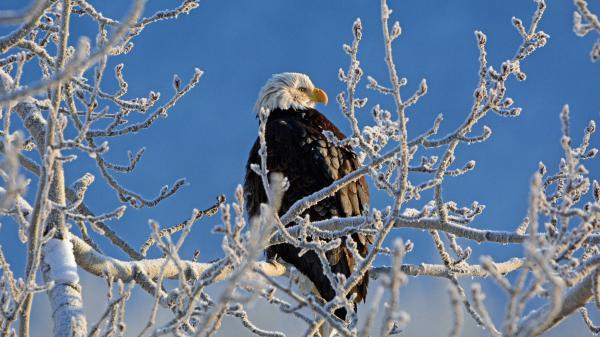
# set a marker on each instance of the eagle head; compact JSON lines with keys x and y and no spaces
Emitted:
{"x":289,"y":90}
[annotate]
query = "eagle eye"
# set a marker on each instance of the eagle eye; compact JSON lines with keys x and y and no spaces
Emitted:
{"x":302,"y":89}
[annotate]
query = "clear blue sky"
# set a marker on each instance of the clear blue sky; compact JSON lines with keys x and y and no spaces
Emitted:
{"x":239,"y":44}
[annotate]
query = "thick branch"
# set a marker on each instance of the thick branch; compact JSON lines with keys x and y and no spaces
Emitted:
{"x":574,"y":299}
{"x":479,"y":235}
{"x":101,"y":265}
{"x":105,"y":266}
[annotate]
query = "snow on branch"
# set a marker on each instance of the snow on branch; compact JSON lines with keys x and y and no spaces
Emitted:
{"x":101,"y":265}
{"x":585,"y":21}
{"x":58,"y":255}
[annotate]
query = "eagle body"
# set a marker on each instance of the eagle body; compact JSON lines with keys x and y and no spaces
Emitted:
{"x":297,"y":148}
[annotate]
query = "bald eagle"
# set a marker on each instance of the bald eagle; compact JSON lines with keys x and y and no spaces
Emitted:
{"x":297,"y":148}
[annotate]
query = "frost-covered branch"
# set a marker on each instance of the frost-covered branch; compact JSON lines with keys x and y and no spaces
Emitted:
{"x":44,"y":37}
{"x":585,"y":21}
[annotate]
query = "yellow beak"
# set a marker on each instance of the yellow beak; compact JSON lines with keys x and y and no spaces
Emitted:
{"x":319,"y":96}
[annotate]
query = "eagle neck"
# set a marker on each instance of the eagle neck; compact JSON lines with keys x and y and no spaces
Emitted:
{"x":306,"y":115}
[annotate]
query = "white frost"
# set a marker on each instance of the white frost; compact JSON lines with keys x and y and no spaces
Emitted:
{"x":58,"y":254}
{"x":410,"y":212}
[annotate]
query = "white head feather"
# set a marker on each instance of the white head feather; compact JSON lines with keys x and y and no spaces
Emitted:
{"x":288,"y":90}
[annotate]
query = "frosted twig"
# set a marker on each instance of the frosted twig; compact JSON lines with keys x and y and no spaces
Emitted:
{"x":582,"y":27}
{"x":239,"y":312}
{"x":110,"y":309}
{"x":394,"y":317}
{"x":478,"y":298}
{"x":171,"y":230}
{"x":160,"y":112}
{"x":31,"y":21}
{"x":77,"y":65}
{"x":588,"y":321}
{"x":459,"y":319}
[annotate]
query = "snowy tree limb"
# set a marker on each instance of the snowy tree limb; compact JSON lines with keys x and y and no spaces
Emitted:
{"x":101,"y":265}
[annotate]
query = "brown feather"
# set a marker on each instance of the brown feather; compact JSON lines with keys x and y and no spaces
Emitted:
{"x":297,"y":148}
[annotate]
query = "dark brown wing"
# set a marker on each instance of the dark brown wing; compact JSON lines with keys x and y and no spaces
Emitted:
{"x":297,"y":148}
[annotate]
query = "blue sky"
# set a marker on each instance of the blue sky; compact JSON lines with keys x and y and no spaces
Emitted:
{"x":238,"y":45}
